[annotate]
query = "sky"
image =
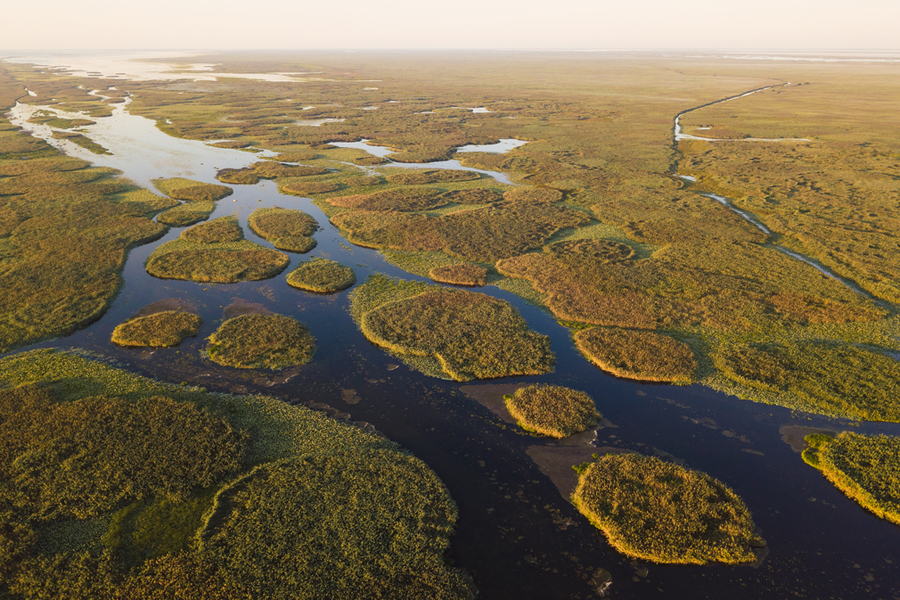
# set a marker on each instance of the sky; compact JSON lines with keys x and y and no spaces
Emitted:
{"x":460,"y":24}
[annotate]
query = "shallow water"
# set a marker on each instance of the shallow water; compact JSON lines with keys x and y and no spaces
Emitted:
{"x":517,"y":535}
{"x":501,"y":147}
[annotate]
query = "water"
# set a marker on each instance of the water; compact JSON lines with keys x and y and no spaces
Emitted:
{"x":517,"y":535}
{"x":501,"y":147}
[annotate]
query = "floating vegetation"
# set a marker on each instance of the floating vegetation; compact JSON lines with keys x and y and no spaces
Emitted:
{"x":865,"y":468}
{"x":217,"y":231}
{"x":322,"y":276}
{"x":552,"y":410}
{"x":658,"y":511}
{"x":159,"y":330}
{"x":186,"y":214}
{"x":460,"y":274}
{"x":287,"y":229}
{"x":461,"y":335}
{"x":261,"y":342}
{"x":815,"y":376}
{"x":190,"y":190}
{"x":215,"y":262}
{"x":640,"y":355}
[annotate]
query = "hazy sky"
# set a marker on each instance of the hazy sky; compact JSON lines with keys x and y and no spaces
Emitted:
{"x":487,"y":24}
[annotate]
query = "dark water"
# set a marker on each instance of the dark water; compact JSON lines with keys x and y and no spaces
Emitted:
{"x":517,"y":536}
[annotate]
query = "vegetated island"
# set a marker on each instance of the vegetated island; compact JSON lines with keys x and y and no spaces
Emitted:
{"x":186,"y":214}
{"x":261,"y":342}
{"x":190,"y":190}
{"x":232,"y":497}
{"x":159,"y":330}
{"x":449,"y":333}
{"x":865,"y":468}
{"x":639,"y":355}
{"x":287,"y":229}
{"x":266,"y":170}
{"x":552,"y":410}
{"x":215,"y":252}
{"x":659,"y":511}
{"x":321,"y":276}
{"x":460,"y":274}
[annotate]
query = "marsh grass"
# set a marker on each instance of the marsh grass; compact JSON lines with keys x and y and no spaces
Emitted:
{"x":470,"y":335}
{"x":287,"y":229}
{"x":309,"y":188}
{"x":160,"y":330}
{"x":400,"y":199}
{"x":817,"y":376}
{"x":661,"y":512}
{"x":238,"y":176}
{"x":261,"y":342}
{"x":639,"y":355}
{"x":865,"y":468}
{"x":215,"y":262}
{"x":322,"y":276}
{"x":218,"y":231}
{"x":551,"y":410}
{"x":424,"y":176}
{"x":186,"y":214}
{"x":81,"y":140}
{"x":191,"y":191}
{"x":460,"y":274}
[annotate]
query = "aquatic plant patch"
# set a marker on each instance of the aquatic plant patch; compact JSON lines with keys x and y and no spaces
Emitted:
{"x":186,"y":214}
{"x":552,"y":410}
{"x":217,"y":231}
{"x":287,"y":229}
{"x":215,"y":262}
{"x":460,"y":274}
{"x":261,"y":342}
{"x":640,"y":355}
{"x":322,"y":276}
{"x":159,"y":330}
{"x":190,"y":190}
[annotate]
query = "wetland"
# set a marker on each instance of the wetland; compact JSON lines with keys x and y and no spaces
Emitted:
{"x":598,"y":270}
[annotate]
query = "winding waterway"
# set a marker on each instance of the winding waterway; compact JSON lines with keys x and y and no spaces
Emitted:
{"x":517,"y":535}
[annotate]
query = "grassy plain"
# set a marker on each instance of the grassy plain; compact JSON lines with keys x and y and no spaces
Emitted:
{"x":552,"y":410}
{"x":322,"y":276}
{"x":261,"y":342}
{"x":866,"y":468}
{"x":159,"y":330}
{"x":449,"y":333}
{"x":180,"y":493}
{"x":654,"y":510}
{"x":287,"y":229}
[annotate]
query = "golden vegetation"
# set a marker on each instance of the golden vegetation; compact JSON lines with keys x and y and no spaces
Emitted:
{"x":309,"y":188}
{"x":421,"y":177}
{"x":322,"y":276}
{"x":266,"y":170}
{"x":261,"y":342}
{"x":287,"y":229}
{"x":215,"y":262}
{"x":401,"y":199}
{"x":552,"y":410}
{"x":152,"y":467}
{"x":469,"y":335}
{"x":217,"y":231}
{"x":81,"y":140}
{"x":460,"y":274}
{"x":190,"y":190}
{"x":640,"y":355}
{"x":866,"y":468}
{"x":823,"y":377}
{"x":658,"y":511}
{"x":186,"y":214}
{"x":159,"y":330}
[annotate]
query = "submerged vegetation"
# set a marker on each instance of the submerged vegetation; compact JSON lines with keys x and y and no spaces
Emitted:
{"x":287,"y":229}
{"x":322,"y":276}
{"x":159,"y":330}
{"x":552,"y":410}
{"x":152,"y":468}
{"x":641,"y":355}
{"x":658,"y":511}
{"x":456,"y":334}
{"x":865,"y":468}
{"x":261,"y":342}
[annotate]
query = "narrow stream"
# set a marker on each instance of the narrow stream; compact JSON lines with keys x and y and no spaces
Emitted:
{"x":517,"y":535}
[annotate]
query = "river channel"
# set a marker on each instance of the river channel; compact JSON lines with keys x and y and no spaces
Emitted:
{"x":517,"y":535}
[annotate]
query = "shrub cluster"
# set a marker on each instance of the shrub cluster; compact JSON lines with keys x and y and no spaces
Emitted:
{"x":159,"y":330}
{"x":552,"y":410}
{"x":261,"y":342}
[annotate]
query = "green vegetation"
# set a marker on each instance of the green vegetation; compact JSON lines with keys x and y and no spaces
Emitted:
{"x":322,"y":276}
{"x":191,"y":191}
{"x":309,"y":188}
{"x":151,"y":468}
{"x":261,"y":342}
{"x":400,"y":199}
{"x":225,"y":262}
{"x":159,"y":330}
{"x":658,"y":511}
{"x":83,"y":141}
{"x":461,"y":335}
{"x":238,"y":176}
{"x":266,"y":170}
{"x":287,"y":229}
{"x":43,"y":117}
{"x":552,"y":410}
{"x":640,"y":355}
{"x":420,"y":177}
{"x":460,"y":274}
{"x":866,"y":468}
{"x":187,"y":213}
{"x":217,"y":231}
{"x":821,"y":377}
